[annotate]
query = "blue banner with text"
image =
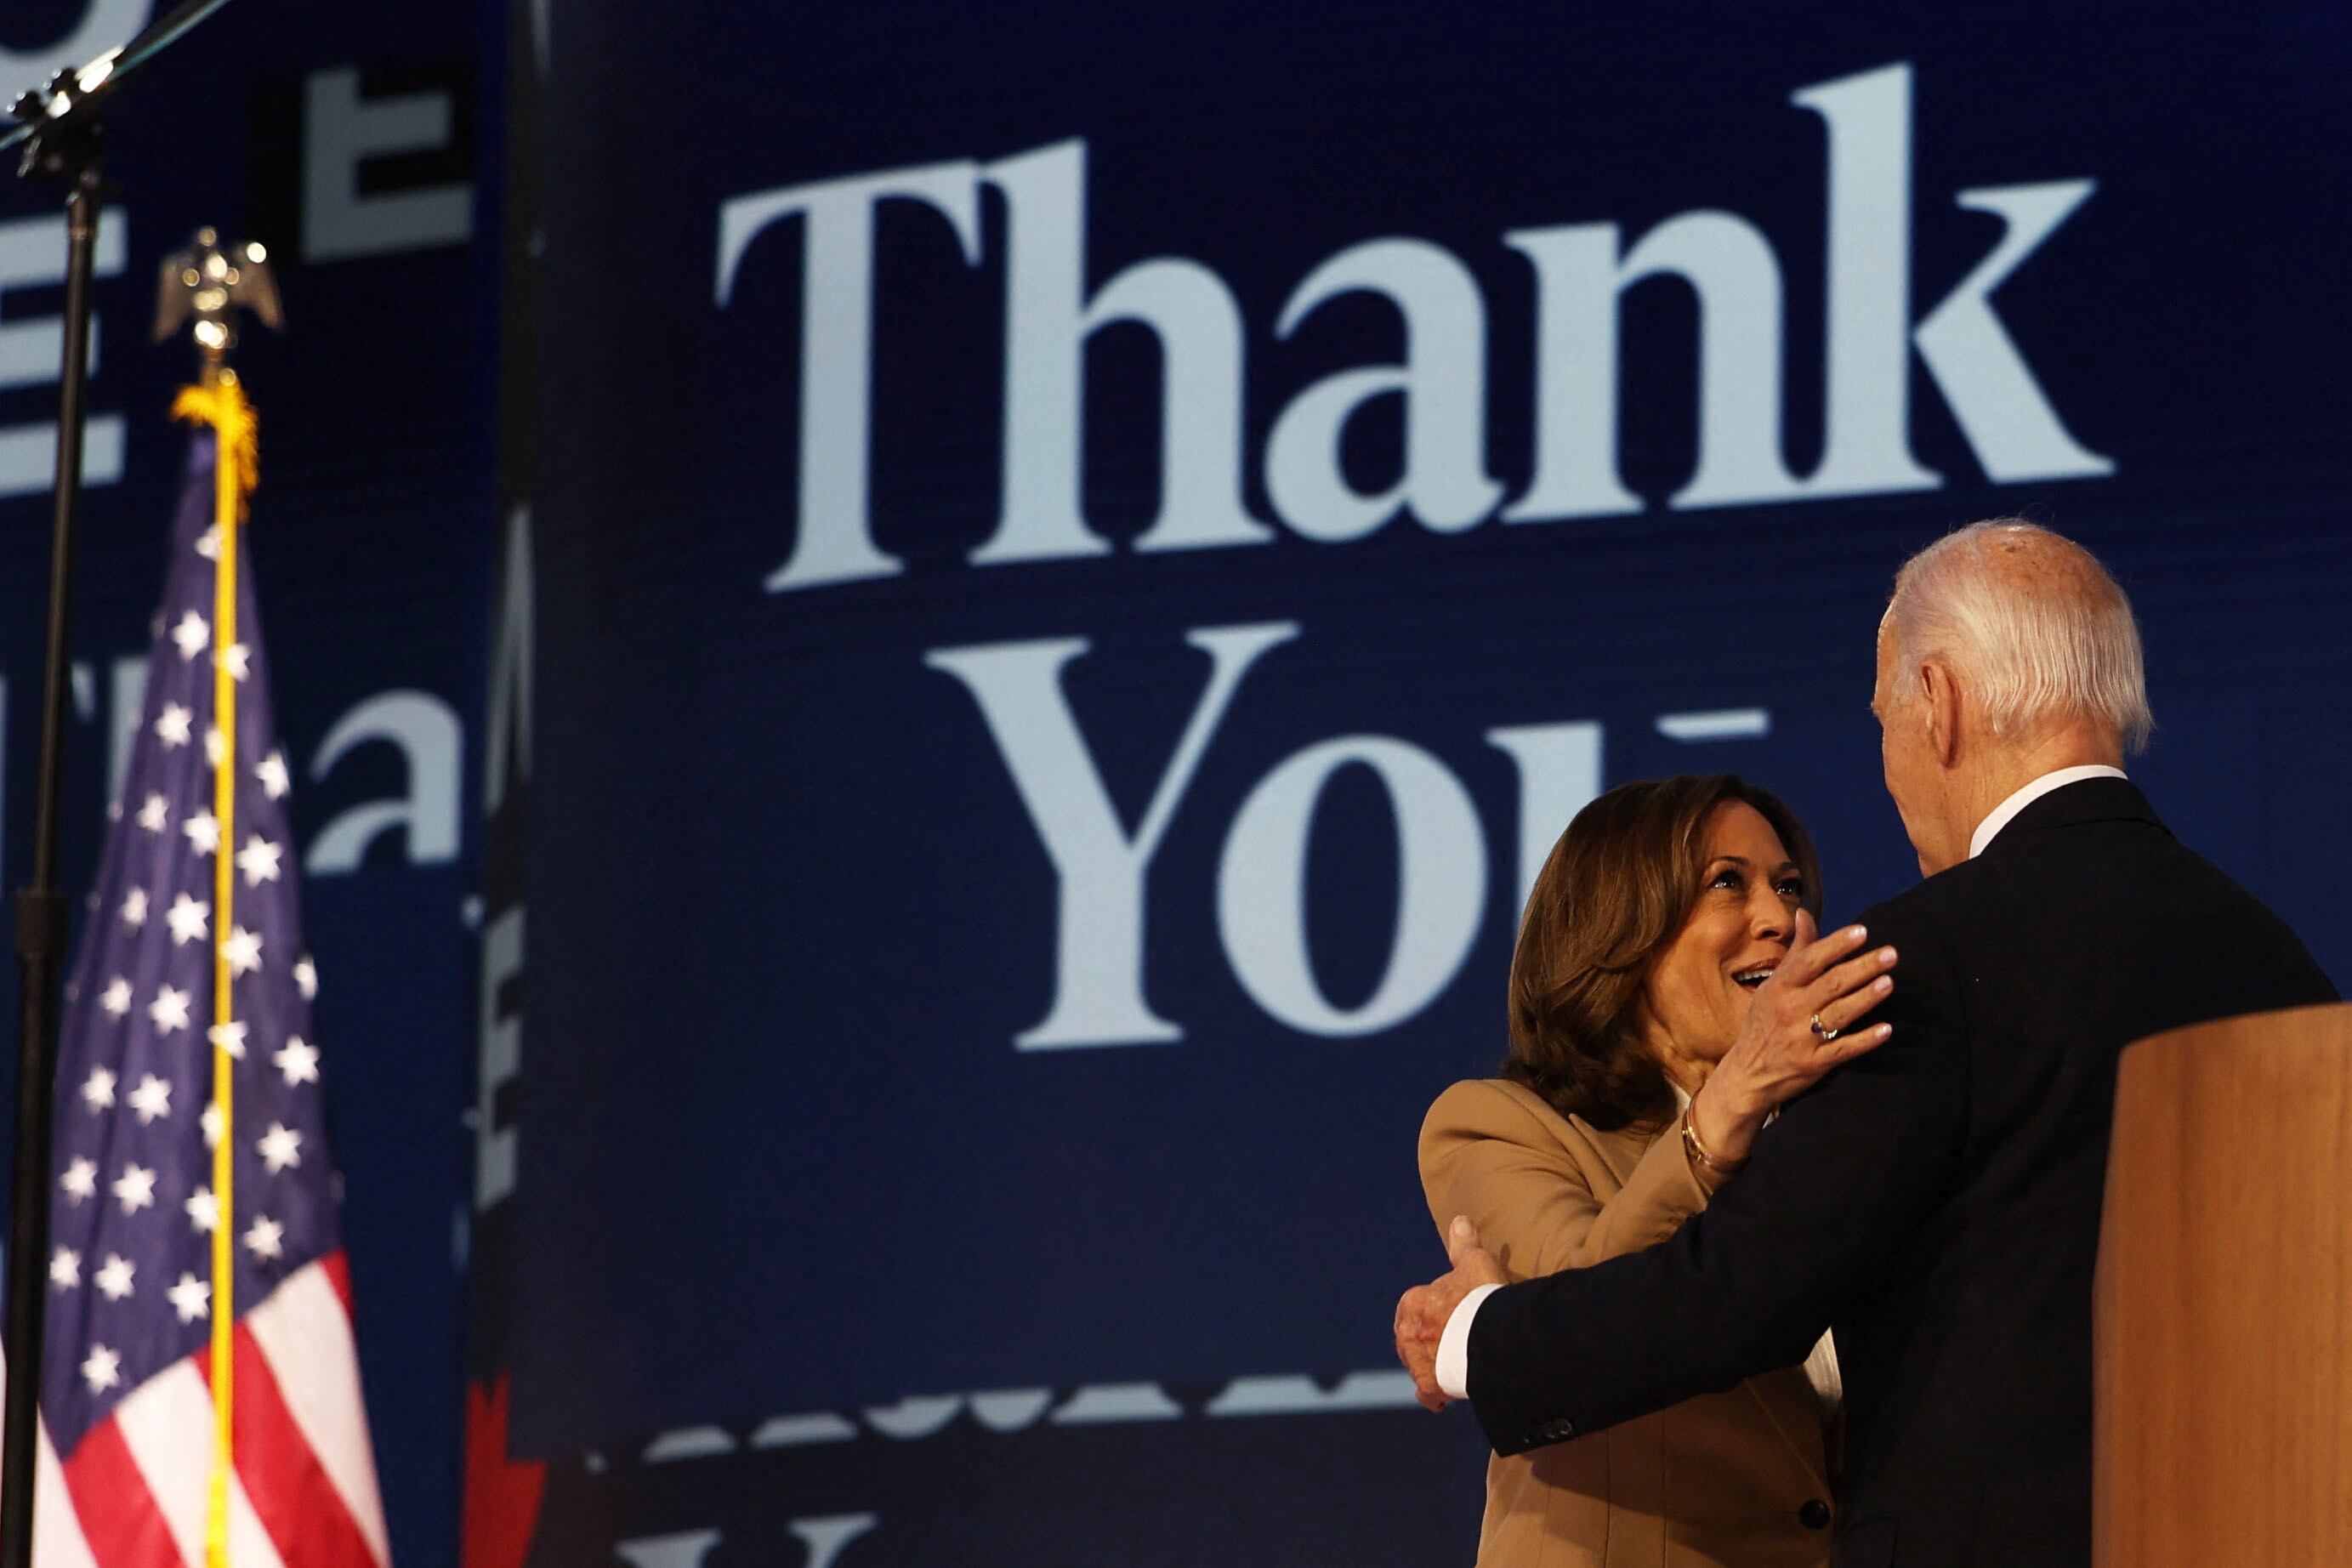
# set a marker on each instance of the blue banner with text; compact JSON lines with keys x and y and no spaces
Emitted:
{"x":1079,"y":563}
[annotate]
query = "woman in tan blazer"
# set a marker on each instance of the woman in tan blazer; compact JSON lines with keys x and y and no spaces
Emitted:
{"x":1640,"y":1074}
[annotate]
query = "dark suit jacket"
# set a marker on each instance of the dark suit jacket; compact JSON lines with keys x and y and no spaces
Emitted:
{"x":1937,"y":1200}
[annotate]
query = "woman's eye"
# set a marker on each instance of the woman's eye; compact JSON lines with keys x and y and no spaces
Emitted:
{"x":1727,"y":879}
{"x":1791,"y":888}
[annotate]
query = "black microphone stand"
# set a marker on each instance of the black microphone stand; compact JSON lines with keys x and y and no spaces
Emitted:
{"x":59,"y":131}
{"x":66,"y":149}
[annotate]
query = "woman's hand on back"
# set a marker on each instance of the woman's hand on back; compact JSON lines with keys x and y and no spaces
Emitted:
{"x":1807,"y":1019}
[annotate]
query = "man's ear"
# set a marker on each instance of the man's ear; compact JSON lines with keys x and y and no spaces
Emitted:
{"x":1941,"y":700}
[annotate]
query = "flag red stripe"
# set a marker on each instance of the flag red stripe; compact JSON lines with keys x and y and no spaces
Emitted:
{"x":337,"y":1267}
{"x":119,"y":1516}
{"x":298,"y":1506}
{"x":304,"y":1331}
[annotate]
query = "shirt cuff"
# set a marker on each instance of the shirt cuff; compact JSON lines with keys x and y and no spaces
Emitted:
{"x":1453,"y":1345}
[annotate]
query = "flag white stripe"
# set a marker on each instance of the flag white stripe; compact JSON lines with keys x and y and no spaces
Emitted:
{"x":306,"y":1336}
{"x":249,"y":1546}
{"x":167,"y":1424}
{"x":58,"y":1540}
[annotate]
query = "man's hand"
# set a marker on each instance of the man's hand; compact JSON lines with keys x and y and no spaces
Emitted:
{"x":1422,"y":1312}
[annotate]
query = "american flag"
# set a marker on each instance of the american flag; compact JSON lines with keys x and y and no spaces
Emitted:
{"x":126,"y":1399}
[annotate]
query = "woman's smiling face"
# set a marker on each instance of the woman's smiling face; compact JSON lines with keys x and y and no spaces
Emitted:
{"x":1696,"y":994}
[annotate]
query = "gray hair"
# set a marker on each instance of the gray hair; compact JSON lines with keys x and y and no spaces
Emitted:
{"x":2033,"y":620}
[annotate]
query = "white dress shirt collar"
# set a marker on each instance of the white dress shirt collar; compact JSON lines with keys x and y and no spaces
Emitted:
{"x":2006,"y":812}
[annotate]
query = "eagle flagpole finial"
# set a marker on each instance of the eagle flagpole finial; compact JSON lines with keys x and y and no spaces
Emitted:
{"x":209,"y":283}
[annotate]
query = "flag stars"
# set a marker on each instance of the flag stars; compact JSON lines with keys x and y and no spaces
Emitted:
{"x":135,"y":1188}
{"x":191,"y":1298}
{"x":169,"y":1010}
{"x":103,"y":1370}
{"x":203,"y":832}
{"x":298,"y":1061}
{"x":151,"y":1099}
{"x":187,"y":918}
{"x":242,"y":950}
{"x":188,"y":833}
{"x":80,"y":1182}
{"x":258,"y":860}
{"x":279,"y":1148}
{"x":113,"y":1281}
{"x":208,"y":543}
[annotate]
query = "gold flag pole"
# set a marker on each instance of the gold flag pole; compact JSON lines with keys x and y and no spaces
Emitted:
{"x":209,"y":284}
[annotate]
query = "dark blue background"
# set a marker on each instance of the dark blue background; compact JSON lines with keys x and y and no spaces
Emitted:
{"x":788,"y":911}
{"x":779,"y":1154}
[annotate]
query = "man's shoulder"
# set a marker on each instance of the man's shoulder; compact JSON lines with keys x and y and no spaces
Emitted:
{"x":1928,"y":907}
{"x":1941,"y":924}
{"x":2124,"y":881}
{"x":1959,"y":897}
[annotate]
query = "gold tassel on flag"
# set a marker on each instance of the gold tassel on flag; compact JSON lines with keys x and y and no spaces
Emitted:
{"x":236,"y":449}
{"x":209,"y":283}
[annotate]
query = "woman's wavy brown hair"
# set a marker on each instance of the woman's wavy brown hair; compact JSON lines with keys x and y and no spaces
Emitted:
{"x":1612,"y":896}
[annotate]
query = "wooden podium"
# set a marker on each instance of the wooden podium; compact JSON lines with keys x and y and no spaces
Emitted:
{"x":2223,"y":1359}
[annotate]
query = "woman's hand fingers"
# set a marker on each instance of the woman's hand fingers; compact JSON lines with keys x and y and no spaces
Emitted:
{"x":1809,"y":960}
{"x":1848,"y":1015}
{"x":1846,"y":1046}
{"x":1829,"y":979}
{"x":1844,"y":996}
{"x":1854,"y":978}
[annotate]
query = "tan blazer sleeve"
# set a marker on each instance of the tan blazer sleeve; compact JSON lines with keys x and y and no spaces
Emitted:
{"x":1489,"y":1154}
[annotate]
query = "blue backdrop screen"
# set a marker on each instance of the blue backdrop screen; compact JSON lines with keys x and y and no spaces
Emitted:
{"x":1081,"y":560}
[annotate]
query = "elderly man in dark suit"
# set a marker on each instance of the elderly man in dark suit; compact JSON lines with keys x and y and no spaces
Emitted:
{"x":1935,"y":1201}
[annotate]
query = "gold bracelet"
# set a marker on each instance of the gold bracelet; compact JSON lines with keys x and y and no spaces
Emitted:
{"x":1698,"y":1149}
